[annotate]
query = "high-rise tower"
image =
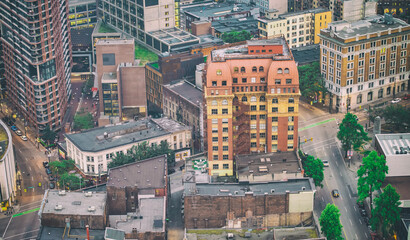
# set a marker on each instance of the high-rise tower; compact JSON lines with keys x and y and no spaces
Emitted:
{"x":37,"y":57}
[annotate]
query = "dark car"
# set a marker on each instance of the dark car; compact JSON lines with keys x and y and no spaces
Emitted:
{"x":182,"y":167}
{"x":171,"y":171}
{"x":335,"y":193}
{"x":52,"y":185}
{"x":45,"y":164}
{"x":48,"y":171}
{"x":51,"y":178}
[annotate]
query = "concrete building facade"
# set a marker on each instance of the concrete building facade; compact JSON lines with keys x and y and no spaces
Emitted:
{"x":352,"y":10}
{"x":121,"y":81}
{"x":8,"y":176}
{"x":299,"y":28}
{"x":251,"y":96}
{"x":37,"y":60}
{"x":364,"y":61}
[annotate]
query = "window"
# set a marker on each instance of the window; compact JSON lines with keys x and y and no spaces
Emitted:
{"x":224,"y":139}
{"x":288,"y":81}
{"x":274,"y":109}
{"x":380,"y":93}
{"x":280,"y":71}
{"x":274,"y":100}
{"x":291,"y":109}
{"x":242,"y":69}
{"x":253,"y":144}
{"x":262,"y":79}
{"x":244,"y":80}
{"x":290,"y":137}
{"x":290,"y":128}
{"x":214,"y":121}
{"x":262,"y":108}
{"x":286,"y":70}
{"x":253,"y":99}
{"x":225,"y":165}
{"x":214,"y":148}
{"x":225,"y":148}
{"x":108,"y":59}
{"x":253,"y":135}
{"x":388,"y":91}
{"x":215,"y":166}
{"x":214,"y":139}
{"x":277,"y":81}
{"x":223,"y":83}
{"x":274,"y":137}
{"x":291,"y":100}
{"x":235,"y":69}
{"x":224,"y":102}
{"x":261,"y":69}
{"x":262,"y":135}
{"x":253,"y":108}
{"x":235,"y":80}
{"x":214,"y":84}
{"x":219,"y":72}
{"x":370,"y":96}
{"x":262,"y":126}
{"x":359,"y":98}
{"x":254,"y":69}
{"x":225,"y":111}
{"x":214,"y":111}
{"x":244,"y":99}
{"x":274,"y":119}
{"x":225,"y":130}
{"x":262,"y":116}
{"x":291,"y":118}
{"x":274,"y":128}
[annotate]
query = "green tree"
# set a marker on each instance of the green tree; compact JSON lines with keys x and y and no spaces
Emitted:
{"x":386,"y":213}
{"x":311,"y":82}
{"x":398,"y":117}
{"x":83,"y":121}
{"x":232,"y":37}
{"x":61,"y":167}
{"x":48,"y":135}
{"x":351,"y":133}
{"x":89,"y":83}
{"x":71,"y":181}
{"x":371,"y":175}
{"x":330,"y":222}
{"x":314,"y":169}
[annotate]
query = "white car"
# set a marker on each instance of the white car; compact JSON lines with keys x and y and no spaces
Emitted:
{"x":19,"y":133}
{"x":24,"y":138}
{"x":396,"y":100}
{"x":325,"y":163}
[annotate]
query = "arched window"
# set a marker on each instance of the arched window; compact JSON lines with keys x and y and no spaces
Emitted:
{"x":280,"y":70}
{"x":254,"y":69}
{"x":235,"y":69}
{"x":225,"y":102}
{"x":214,"y":103}
{"x":262,"y":99}
{"x":291,"y":100}
{"x":253,"y":99}
{"x":359,"y":99}
{"x":274,"y":100}
{"x":261,"y":69}
{"x":219,"y":72}
{"x":242,"y":69}
{"x":286,"y":70}
{"x":244,"y":99}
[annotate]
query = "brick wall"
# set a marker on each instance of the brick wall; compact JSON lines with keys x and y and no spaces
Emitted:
{"x":122,"y":200}
{"x":76,"y":221}
{"x":145,"y":235}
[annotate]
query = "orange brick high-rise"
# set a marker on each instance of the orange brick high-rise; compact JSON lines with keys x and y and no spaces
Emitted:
{"x":252,"y":102}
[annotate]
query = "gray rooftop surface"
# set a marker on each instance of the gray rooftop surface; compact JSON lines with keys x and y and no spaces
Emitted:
{"x":152,"y":211}
{"x":74,"y":203}
{"x":147,"y":174}
{"x":306,"y":54}
{"x":239,"y":189}
{"x":170,"y":125}
{"x":115,"y":41}
{"x":215,"y":10}
{"x":236,"y":24}
{"x":118,"y":135}
{"x":188,"y":91}
{"x":390,"y":143}
{"x":117,"y":234}
{"x":49,"y":233}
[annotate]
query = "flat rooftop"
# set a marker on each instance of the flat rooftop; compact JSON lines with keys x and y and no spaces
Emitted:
{"x":216,"y":10}
{"x":146,"y":174}
{"x":74,"y":203}
{"x":174,"y":36}
{"x":301,"y":233}
{"x":115,"y":41}
{"x":49,"y":233}
{"x":235,"y":24}
{"x":187,"y":91}
{"x":170,"y":125}
{"x":401,"y":184}
{"x":269,"y":162}
{"x":111,"y":136}
{"x":239,"y":189}
{"x":374,"y":24}
{"x":241,"y":51}
{"x":392,"y":144}
{"x":150,"y":217}
{"x":306,"y":54}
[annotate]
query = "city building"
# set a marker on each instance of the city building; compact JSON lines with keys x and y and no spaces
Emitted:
{"x":121,"y":81}
{"x":364,"y":61}
{"x":248,"y":205}
{"x":82,"y":13}
{"x":397,"y":8}
{"x":268,"y":167}
{"x":249,"y":24}
{"x":251,"y":96}
{"x":63,"y":209}
{"x":149,"y":22}
{"x":265,"y":5}
{"x":217,"y":12}
{"x":103,"y":31}
{"x":170,"y":67}
{"x":81,"y":40}
{"x":8,"y":176}
{"x":352,"y":10}
{"x":37,"y":61}
{"x":2,"y":79}
{"x":299,"y":28}
{"x":306,"y":54}
{"x":137,"y":198}
{"x":183,"y":102}
{"x":92,"y":150}
{"x":300,"y":5}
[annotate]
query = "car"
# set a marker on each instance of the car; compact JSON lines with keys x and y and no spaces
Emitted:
{"x":335,"y":193}
{"x":171,"y":171}
{"x":51,"y":178}
{"x":407,"y":96}
{"x":182,"y":167}
{"x":52,"y":185}
{"x":24,"y":138}
{"x":325,"y":163}
{"x":48,"y":171}
{"x":19,"y":133}
{"x":14,"y":128}
{"x":45,"y":164}
{"x":396,"y":100}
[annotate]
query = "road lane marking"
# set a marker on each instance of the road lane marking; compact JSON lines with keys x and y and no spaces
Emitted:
{"x":323,"y":199}
{"x":32,"y":178}
{"x":340,"y":174}
{"x":22,"y":233}
{"x":29,"y":168}
{"x":337,"y":164}
{"x":350,"y":220}
{"x":360,"y":221}
{"x":5,"y":230}
{"x":25,"y":212}
{"x":366,"y":235}
{"x":356,"y":236}
{"x":316,"y":124}
{"x":345,"y":208}
{"x":355,"y":208}
{"x":20,"y":151}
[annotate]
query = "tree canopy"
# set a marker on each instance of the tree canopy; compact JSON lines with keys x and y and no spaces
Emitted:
{"x":83,"y":121}
{"x":314,"y":169}
{"x":398,"y":117}
{"x":330,"y":222}
{"x":48,"y":135}
{"x":71,"y":181}
{"x":387,"y":212}
{"x":371,"y":175}
{"x":87,"y":86}
{"x":232,"y":37}
{"x":311,"y":82}
{"x":61,"y":167}
{"x":143,"y":151}
{"x":351,"y":133}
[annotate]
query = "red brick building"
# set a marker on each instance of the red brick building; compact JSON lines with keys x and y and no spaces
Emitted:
{"x":251,"y":94}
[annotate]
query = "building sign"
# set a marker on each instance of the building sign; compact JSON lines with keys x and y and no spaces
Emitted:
{"x":182,"y":154}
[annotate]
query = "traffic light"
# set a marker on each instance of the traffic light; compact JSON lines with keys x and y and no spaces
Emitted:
{"x":311,"y":139}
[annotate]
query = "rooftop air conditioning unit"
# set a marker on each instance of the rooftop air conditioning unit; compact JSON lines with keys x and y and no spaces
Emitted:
{"x":88,"y":194}
{"x":91,"y":208}
{"x":58,"y":207}
{"x":61,"y":193}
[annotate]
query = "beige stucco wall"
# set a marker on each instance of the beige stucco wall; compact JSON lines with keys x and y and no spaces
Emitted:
{"x":301,"y":202}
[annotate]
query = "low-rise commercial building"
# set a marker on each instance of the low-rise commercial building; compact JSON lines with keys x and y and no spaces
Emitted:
{"x":61,"y":209}
{"x":92,"y":150}
{"x":268,"y":167}
{"x":8,"y":176}
{"x":248,"y":205}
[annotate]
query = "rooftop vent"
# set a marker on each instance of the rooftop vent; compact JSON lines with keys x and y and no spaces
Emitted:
{"x":105,"y":135}
{"x":303,"y":188}
{"x":91,"y":209}
{"x":61,"y":193}
{"x":272,"y":190}
{"x":224,"y":190}
{"x":58,"y":207}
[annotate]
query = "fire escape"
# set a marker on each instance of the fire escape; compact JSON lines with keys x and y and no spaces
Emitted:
{"x":241,"y":128}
